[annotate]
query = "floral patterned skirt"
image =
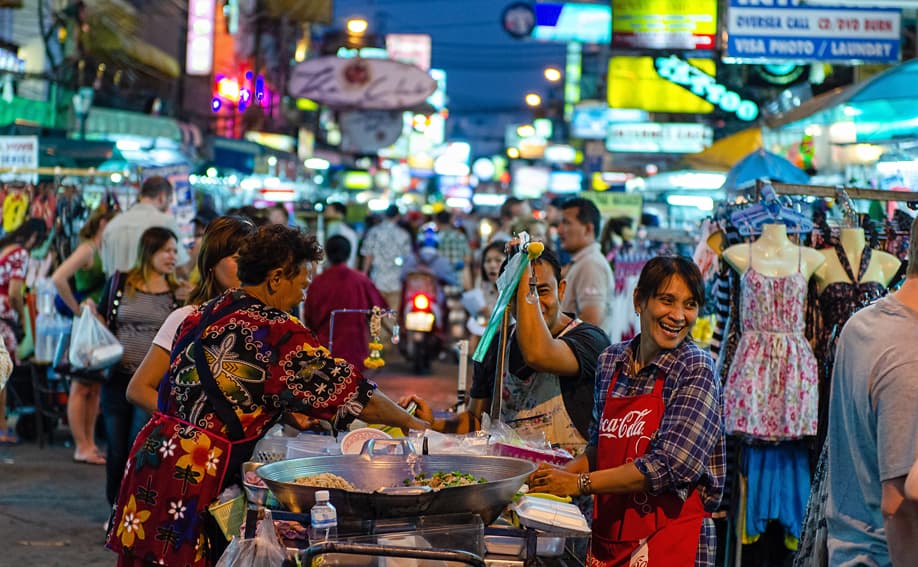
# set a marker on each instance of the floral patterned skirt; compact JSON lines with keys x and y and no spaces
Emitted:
{"x":771,"y":392}
{"x":174,"y":472}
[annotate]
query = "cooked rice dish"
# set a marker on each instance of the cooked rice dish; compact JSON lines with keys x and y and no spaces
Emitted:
{"x":325,"y":480}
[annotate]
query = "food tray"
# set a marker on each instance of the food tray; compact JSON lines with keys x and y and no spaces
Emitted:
{"x":547,"y":546}
{"x":551,"y":516}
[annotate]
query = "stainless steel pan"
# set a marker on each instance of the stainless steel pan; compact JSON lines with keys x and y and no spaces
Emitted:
{"x":382,"y":476}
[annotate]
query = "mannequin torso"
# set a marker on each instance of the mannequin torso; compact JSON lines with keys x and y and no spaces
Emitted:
{"x":774,"y":255}
{"x":883,"y":265}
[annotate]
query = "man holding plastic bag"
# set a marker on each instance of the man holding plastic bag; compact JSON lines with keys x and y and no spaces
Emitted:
{"x":548,"y":383}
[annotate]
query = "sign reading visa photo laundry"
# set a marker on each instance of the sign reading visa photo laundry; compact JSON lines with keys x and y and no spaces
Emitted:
{"x":785,"y":30}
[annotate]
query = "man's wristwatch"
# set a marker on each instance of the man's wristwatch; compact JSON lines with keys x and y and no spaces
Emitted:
{"x":584,"y":483}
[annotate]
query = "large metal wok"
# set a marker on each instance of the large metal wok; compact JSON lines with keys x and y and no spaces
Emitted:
{"x":382,"y":477}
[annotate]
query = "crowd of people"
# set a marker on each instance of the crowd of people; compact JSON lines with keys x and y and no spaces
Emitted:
{"x":214,"y":357}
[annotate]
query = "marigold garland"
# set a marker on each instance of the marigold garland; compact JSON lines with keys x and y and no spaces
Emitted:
{"x":375,"y":360}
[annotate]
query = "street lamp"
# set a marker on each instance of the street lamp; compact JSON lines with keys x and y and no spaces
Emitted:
{"x":552,"y":74}
{"x":357,"y":26}
{"x":533,"y":100}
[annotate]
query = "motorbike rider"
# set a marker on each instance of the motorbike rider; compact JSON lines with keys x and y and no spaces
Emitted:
{"x":428,"y":259}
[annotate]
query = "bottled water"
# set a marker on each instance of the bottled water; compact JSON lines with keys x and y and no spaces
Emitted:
{"x":323,"y":520}
{"x":44,"y":300}
{"x":50,"y":330}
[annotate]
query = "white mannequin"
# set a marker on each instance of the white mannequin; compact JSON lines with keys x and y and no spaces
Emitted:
{"x":883,"y":265}
{"x":774,"y":255}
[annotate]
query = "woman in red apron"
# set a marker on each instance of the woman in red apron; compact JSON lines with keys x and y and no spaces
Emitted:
{"x":655,"y":459}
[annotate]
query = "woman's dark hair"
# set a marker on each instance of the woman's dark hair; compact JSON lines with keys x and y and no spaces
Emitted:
{"x":658,"y":271}
{"x":276,"y":246}
{"x":151,"y":241}
{"x":224,"y":237}
{"x":31,"y":227}
{"x":91,"y":227}
{"x":498,"y":245}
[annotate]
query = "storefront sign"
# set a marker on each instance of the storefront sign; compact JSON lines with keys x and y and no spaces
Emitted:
{"x":583,"y":23}
{"x":617,"y":204}
{"x":366,"y":131}
{"x":634,"y":83}
{"x":653,"y":137}
{"x":411,"y":48}
{"x":664,"y":24}
{"x":361,"y":83}
{"x":199,"y":48}
{"x":785,"y":30}
{"x":700,"y":83}
{"x":19,"y":152}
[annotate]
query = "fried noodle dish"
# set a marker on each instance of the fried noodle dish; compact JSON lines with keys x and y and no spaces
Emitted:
{"x":441,"y":479}
{"x":325,"y":480}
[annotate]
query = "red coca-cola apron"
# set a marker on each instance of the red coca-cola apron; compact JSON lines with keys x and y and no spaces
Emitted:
{"x":637,"y":529}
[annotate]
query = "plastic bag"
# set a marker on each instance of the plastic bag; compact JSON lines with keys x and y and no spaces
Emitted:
{"x":92,"y":345}
{"x":263,"y":550}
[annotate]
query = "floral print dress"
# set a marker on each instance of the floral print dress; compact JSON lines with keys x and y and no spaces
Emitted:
{"x":771,"y":388}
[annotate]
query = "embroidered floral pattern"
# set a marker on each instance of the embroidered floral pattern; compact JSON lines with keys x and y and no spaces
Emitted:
{"x":771,"y":389}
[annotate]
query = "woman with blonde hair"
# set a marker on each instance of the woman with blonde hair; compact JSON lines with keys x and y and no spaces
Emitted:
{"x":84,"y":266}
{"x":135,"y":305}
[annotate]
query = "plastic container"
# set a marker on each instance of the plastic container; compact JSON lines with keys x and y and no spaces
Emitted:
{"x":44,"y":297}
{"x":50,"y":330}
{"x":323,"y":520}
{"x":557,"y":517}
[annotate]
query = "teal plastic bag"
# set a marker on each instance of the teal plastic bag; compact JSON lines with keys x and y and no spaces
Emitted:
{"x":506,"y":287}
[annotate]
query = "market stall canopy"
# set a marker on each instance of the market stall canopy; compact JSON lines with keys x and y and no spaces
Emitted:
{"x":112,"y":35}
{"x":726,"y":152}
{"x":109,"y":122}
{"x":70,"y":153}
{"x":883,"y":108}
{"x":762,"y":163}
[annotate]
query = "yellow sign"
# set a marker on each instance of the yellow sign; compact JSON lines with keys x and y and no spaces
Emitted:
{"x":616,"y":204}
{"x":664,"y":24}
{"x":634,"y":83}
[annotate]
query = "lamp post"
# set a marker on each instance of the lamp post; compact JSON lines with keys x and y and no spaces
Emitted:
{"x":82,"y":102}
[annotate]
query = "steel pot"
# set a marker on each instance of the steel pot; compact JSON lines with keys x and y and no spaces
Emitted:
{"x":382,"y":477}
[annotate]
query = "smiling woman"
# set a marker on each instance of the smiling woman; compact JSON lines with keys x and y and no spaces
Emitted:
{"x":655,"y":459}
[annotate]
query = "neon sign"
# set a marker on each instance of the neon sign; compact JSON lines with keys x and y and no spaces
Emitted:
{"x":683,"y":73}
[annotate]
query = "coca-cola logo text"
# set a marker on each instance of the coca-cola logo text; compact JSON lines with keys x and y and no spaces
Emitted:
{"x":630,"y":425}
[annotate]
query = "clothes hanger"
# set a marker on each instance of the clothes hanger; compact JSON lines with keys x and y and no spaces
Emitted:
{"x":770,"y":210}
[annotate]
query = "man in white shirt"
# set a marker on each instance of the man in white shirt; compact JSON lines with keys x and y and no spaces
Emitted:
{"x":590,"y":284}
{"x":122,"y":234}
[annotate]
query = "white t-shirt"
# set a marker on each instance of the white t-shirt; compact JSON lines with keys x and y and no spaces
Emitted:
{"x":166,"y":333}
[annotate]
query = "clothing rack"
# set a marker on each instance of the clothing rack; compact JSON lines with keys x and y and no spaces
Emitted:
{"x":830,"y":192}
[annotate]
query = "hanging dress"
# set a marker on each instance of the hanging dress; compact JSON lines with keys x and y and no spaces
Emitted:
{"x":771,"y":388}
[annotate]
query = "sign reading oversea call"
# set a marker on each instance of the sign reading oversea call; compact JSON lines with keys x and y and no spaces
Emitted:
{"x":785,"y":30}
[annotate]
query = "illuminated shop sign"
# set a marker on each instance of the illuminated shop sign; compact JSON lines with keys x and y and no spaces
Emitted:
{"x":664,"y":24}
{"x":634,"y":83}
{"x":199,"y":47}
{"x":789,"y":31}
{"x":700,"y":83}
{"x":654,"y":137}
{"x":584,"y":23}
{"x":411,"y":48}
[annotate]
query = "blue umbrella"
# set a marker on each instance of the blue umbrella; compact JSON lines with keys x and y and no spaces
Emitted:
{"x":762,"y":163}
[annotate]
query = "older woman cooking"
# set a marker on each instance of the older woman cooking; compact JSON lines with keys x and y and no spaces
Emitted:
{"x":655,"y":459}
{"x":238,"y":364}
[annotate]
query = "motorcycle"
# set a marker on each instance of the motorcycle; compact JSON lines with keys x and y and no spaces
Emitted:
{"x":422,"y":319}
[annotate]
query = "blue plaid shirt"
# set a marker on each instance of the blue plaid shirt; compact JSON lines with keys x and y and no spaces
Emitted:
{"x":688,"y":448}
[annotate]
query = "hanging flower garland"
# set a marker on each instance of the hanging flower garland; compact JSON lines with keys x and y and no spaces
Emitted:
{"x":375,"y":360}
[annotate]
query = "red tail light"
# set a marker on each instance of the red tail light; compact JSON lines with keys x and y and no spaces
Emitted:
{"x":421,"y":302}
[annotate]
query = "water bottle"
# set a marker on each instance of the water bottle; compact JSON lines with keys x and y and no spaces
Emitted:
{"x":323,"y":520}
{"x":50,"y":330}
{"x":45,"y":297}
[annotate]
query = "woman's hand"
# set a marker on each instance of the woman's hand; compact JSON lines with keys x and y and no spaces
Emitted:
{"x":88,"y":302}
{"x":553,"y":480}
{"x":301,"y":421}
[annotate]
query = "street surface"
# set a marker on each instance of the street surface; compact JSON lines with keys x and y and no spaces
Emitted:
{"x":52,"y":510}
